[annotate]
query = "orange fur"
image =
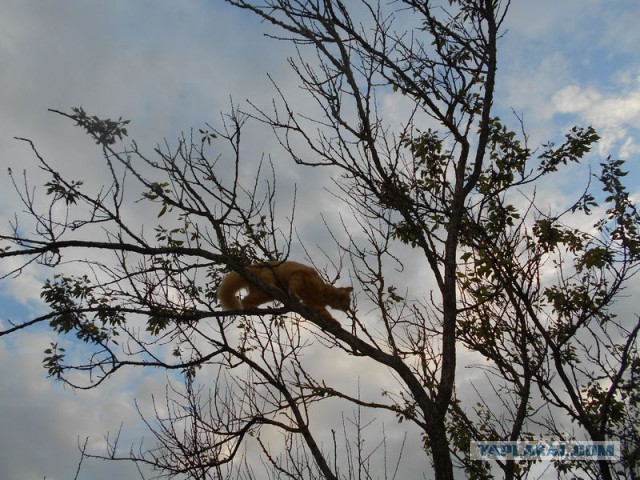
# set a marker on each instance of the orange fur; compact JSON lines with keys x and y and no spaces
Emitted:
{"x":298,"y":280}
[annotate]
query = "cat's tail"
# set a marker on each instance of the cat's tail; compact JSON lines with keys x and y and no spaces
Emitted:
{"x":230,"y":285}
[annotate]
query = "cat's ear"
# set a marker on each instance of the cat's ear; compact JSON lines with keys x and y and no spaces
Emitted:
{"x":348,"y":289}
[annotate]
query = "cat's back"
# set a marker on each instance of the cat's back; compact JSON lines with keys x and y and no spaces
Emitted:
{"x":283,"y":271}
{"x":289,"y":267}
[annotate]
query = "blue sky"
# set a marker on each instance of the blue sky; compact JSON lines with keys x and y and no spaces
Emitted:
{"x":172,"y":65}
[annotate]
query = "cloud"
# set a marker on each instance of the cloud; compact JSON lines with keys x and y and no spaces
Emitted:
{"x":579,"y":48}
{"x":41,"y":423}
{"x":527,"y":87}
{"x":614,"y":112}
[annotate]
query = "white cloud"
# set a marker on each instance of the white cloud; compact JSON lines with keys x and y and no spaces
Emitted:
{"x":41,"y":423}
{"x":630,"y":147}
{"x":528,"y":86}
{"x":572,"y":57}
{"x":614,"y":112}
{"x":574,"y":99}
{"x":615,"y":109}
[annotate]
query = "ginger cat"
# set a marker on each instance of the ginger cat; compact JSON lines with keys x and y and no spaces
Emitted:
{"x":298,"y":280}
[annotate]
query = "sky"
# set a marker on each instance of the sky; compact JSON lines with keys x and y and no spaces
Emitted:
{"x":173,"y":65}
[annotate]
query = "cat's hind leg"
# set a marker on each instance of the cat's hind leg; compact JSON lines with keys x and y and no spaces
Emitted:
{"x":254,"y":298}
{"x":297,"y":288}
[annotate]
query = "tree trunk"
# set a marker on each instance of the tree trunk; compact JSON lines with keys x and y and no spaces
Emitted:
{"x":439,"y":447}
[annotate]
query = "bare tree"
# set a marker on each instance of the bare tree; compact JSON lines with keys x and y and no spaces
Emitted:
{"x":451,"y":181}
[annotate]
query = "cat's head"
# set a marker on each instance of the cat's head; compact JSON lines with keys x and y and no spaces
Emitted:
{"x":340,"y":298}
